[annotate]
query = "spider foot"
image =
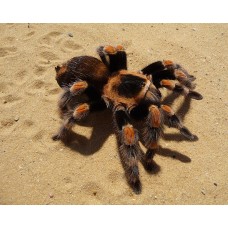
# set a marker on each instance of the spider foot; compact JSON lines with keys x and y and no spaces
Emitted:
{"x":56,"y":137}
{"x":132,"y":174}
{"x":136,"y":187}
{"x":147,"y":160}
{"x":62,"y":134}
{"x":151,"y":167}
{"x":148,"y":166}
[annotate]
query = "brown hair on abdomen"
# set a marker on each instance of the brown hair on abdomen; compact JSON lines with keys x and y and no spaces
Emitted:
{"x":82,"y":68}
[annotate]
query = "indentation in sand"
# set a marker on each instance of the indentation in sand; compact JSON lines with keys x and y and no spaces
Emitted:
{"x":91,"y":188}
{"x":39,"y":135}
{"x":48,"y":55}
{"x":7,"y":51}
{"x":28,"y":123}
{"x":30,"y":34}
{"x":37,"y":84}
{"x":21,"y":77}
{"x":54,"y":91}
{"x":7,"y":122}
{"x":67,"y":180}
{"x":10,"y":99}
{"x":50,"y":38}
{"x":114,"y":176}
{"x":70,"y":45}
{"x":39,"y":70}
{"x":21,"y":74}
{"x":9,"y":39}
{"x":4,"y":86}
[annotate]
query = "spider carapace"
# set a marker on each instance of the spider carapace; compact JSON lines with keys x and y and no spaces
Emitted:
{"x":91,"y":85}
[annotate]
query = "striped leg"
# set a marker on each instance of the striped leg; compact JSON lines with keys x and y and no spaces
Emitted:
{"x":175,"y":122}
{"x":80,"y":112}
{"x":177,"y":87}
{"x":168,"y":70}
{"x":74,"y":89}
{"x":176,"y":70}
{"x":130,"y":151}
{"x":151,"y":134}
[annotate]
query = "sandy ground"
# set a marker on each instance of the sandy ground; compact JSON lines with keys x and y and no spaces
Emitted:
{"x":36,"y":170}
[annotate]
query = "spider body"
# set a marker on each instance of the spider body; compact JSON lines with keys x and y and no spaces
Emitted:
{"x":90,"y":84}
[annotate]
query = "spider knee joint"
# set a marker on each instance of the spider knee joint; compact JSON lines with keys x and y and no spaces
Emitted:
{"x":81,"y":111}
{"x":78,"y":87}
{"x":167,"y":110}
{"x":129,"y":136}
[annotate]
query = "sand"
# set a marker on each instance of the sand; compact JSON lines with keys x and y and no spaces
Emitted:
{"x":34,"y":169}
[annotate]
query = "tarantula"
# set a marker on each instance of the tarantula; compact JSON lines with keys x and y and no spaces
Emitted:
{"x":90,"y":85}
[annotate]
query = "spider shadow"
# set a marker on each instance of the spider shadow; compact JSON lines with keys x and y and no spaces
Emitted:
{"x":181,"y":112}
{"x":101,"y":124}
{"x":102,"y":128}
{"x":185,"y":106}
{"x":166,"y":152}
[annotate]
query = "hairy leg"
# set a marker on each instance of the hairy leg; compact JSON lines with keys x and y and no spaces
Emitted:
{"x":79,"y":113}
{"x":75,"y":90}
{"x":130,"y":151}
{"x":175,"y":122}
{"x":169,"y":70}
{"x":151,"y":135}
{"x":69,"y":92}
{"x":113,"y":57}
{"x":177,"y":87}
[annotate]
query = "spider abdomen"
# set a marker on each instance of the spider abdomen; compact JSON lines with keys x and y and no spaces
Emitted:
{"x":86,"y":68}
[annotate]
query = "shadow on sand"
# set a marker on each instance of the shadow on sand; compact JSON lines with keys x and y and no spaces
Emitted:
{"x":102,"y":128}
